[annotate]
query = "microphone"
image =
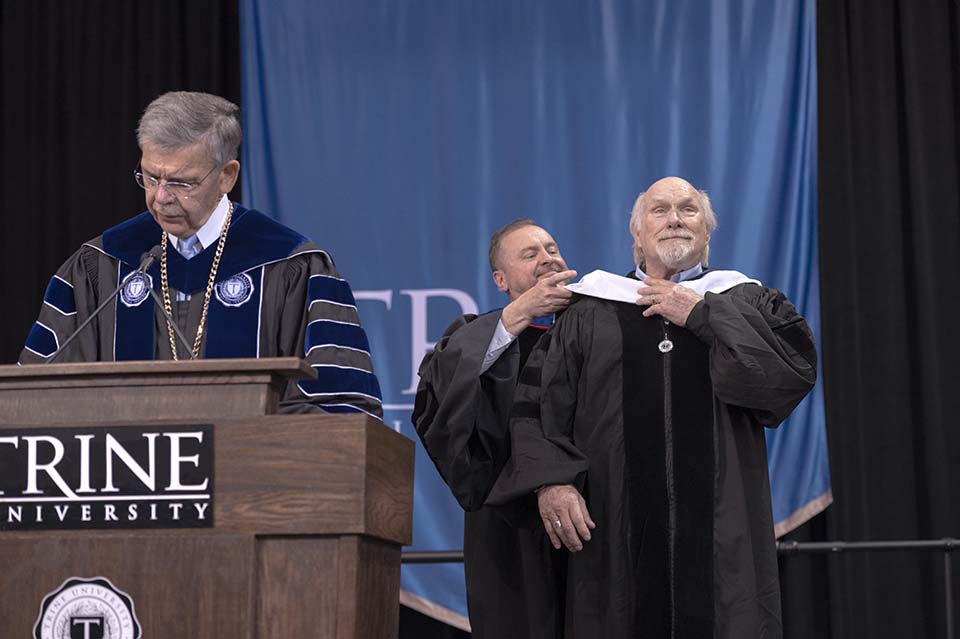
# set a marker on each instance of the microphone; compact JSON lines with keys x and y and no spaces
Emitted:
{"x":146,"y":261}
{"x":148,"y":258}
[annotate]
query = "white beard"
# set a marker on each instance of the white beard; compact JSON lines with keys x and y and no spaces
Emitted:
{"x":675,"y":254}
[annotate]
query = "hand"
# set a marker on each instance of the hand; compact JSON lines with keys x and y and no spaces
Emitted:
{"x":565,"y":516}
{"x":548,"y":295}
{"x":667,"y":299}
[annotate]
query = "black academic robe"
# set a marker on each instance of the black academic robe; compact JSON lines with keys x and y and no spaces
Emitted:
{"x":513,"y":578}
{"x":662,"y":429}
{"x":277,"y":294}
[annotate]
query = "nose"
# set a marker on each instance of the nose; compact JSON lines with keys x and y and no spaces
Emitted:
{"x":673,"y":217}
{"x":162,"y":195}
{"x":546,"y":257}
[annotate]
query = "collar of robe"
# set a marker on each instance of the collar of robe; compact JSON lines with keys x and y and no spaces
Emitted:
{"x":254,"y":240}
{"x":618,"y":288}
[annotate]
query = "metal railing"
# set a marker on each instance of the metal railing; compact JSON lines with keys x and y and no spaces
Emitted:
{"x":946,"y":546}
{"x":785,"y":548}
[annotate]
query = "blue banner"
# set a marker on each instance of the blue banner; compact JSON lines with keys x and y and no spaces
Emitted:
{"x":400,"y":135}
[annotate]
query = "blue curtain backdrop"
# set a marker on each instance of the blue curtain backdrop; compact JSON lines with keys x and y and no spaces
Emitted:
{"x":400,"y":135}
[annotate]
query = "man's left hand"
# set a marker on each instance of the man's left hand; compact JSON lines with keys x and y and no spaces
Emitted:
{"x":667,"y":299}
{"x":565,"y":516}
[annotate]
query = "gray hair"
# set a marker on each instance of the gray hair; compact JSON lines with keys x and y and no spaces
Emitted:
{"x":708,"y":214}
{"x":179,"y":119}
{"x":493,"y":255}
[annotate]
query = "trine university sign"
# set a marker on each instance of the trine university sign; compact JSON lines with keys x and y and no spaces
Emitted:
{"x":106,"y":477}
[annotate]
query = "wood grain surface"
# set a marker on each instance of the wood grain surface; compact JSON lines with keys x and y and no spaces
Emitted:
{"x":182,"y":585}
{"x":309,"y":510}
{"x":97,"y":391}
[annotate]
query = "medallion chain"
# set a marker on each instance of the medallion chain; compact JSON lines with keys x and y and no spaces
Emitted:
{"x":165,"y":288}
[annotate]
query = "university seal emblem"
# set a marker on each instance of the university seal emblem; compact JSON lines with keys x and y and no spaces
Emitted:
{"x":235,"y":291}
{"x":136,"y":290}
{"x":87,"y":609}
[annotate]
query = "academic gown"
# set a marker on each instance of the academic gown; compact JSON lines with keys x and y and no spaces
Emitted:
{"x":662,"y":430}
{"x":276,"y":294}
{"x":513,"y":575}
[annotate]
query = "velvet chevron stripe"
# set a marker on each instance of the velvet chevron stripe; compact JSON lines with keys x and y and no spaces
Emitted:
{"x":336,"y":380}
{"x":330,"y":333}
{"x":59,"y":295}
{"x":42,"y":340}
{"x":325,"y":288}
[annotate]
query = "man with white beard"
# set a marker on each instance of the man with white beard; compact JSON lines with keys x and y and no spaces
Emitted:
{"x":639,"y":423}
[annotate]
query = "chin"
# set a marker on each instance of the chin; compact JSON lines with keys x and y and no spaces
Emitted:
{"x":677,"y":260}
{"x":173,"y":229}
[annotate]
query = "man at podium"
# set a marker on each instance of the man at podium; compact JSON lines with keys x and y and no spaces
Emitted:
{"x":229,"y":281}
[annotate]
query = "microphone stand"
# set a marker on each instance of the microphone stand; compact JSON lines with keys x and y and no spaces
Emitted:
{"x":145,"y":263}
{"x":176,"y":328}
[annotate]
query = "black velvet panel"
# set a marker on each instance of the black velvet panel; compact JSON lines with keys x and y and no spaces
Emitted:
{"x":525,"y":410}
{"x":643,"y":434}
{"x":527,"y":339}
{"x":693,"y":465}
{"x":530,"y":375}
{"x":669,"y":448}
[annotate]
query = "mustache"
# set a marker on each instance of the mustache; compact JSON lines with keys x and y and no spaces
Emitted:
{"x":551,"y":268}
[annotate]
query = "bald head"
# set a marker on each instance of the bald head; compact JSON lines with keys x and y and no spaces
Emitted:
{"x":671,"y":224}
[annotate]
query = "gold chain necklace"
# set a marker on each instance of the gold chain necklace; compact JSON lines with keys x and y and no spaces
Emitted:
{"x":206,"y":296}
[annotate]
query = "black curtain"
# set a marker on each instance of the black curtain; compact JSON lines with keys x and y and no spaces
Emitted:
{"x":74,"y":79}
{"x":889,"y":228}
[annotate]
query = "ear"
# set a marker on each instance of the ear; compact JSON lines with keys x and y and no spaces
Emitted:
{"x":500,"y":280}
{"x":228,"y":176}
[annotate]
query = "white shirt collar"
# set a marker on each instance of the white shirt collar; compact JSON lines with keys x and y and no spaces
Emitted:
{"x":682,"y":276}
{"x":209,"y":233}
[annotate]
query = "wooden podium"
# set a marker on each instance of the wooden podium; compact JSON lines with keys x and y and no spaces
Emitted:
{"x":309,"y":511}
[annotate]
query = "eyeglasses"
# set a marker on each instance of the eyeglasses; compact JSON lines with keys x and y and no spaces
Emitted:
{"x":176,"y":189}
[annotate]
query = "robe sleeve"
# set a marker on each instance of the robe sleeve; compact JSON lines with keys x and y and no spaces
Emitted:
{"x":544,"y":411}
{"x":462,"y":416}
{"x":762,"y":354}
{"x":69,"y":299}
{"x":319,"y":323}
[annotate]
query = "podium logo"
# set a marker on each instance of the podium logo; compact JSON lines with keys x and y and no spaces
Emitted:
{"x":106,"y":477}
{"x":136,"y":290}
{"x":234,"y":291}
{"x":87,"y":608}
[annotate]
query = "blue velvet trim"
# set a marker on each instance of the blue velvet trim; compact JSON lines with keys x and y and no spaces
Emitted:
{"x":42,"y":340}
{"x":254,"y":240}
{"x":60,"y":296}
{"x":329,"y":289}
{"x":543,"y":322}
{"x":234,"y":331}
{"x":134,"y":333}
{"x":339,"y":380}
{"x":324,"y":332}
